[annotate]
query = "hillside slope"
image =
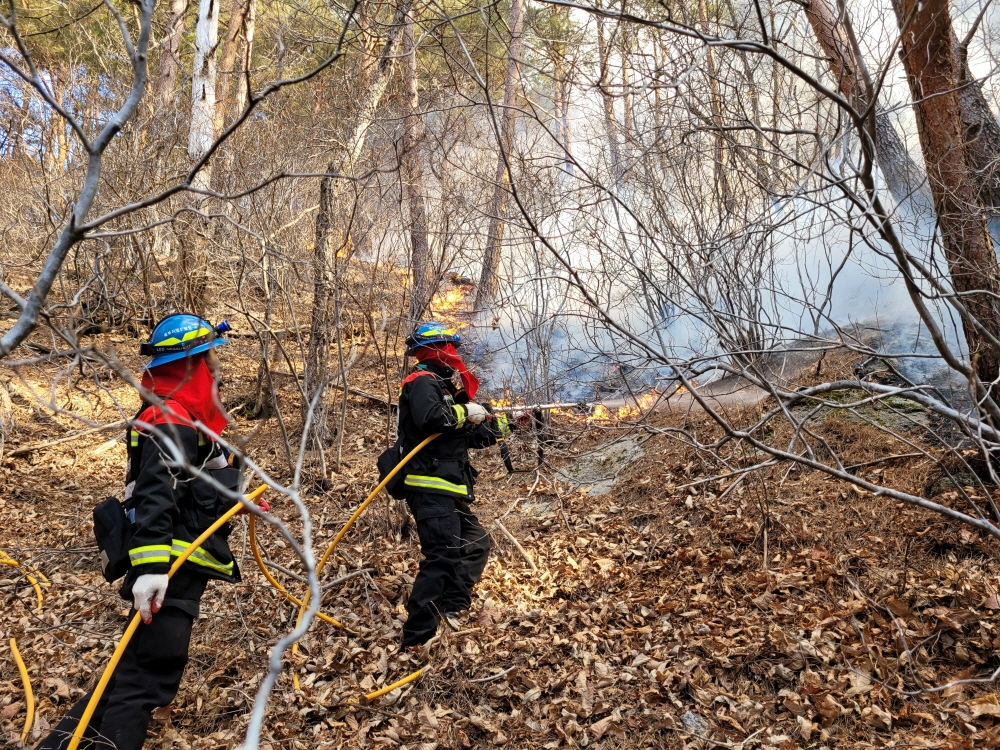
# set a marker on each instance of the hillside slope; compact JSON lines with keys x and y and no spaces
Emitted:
{"x":677,"y":610}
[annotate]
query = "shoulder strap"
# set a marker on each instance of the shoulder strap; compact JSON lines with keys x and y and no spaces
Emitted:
{"x":414,"y":375}
{"x":153,"y":415}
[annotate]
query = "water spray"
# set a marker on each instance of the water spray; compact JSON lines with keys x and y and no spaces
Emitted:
{"x":582,"y":406}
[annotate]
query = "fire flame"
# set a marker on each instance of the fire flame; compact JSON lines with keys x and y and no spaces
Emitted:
{"x":643,"y":404}
{"x":453,"y":305}
{"x":450,"y":300}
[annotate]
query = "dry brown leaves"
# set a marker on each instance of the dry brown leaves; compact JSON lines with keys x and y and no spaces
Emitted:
{"x":654,"y":619}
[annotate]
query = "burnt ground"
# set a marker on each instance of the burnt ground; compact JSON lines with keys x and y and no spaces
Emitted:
{"x":784,"y":610}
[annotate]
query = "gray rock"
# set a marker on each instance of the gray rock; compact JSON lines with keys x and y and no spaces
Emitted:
{"x":693,"y":723}
{"x":599,"y":469}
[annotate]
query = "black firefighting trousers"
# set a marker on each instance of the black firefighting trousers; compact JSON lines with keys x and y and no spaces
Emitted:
{"x":455,"y":547}
{"x":147,"y":676}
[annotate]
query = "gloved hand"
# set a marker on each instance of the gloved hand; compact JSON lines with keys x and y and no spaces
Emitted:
{"x":148,"y":594}
{"x":262,"y":504}
{"x":521,"y":417}
{"x":475,"y":413}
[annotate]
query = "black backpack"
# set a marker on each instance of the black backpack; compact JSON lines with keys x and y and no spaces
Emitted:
{"x":114,"y":519}
{"x":386,"y":462}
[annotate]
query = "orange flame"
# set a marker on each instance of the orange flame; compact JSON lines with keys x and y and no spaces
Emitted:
{"x":644,"y":403}
{"x":452,"y":306}
{"x":450,"y":300}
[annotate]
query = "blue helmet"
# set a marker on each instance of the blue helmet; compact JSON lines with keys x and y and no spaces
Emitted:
{"x":432,"y":332}
{"x":181,"y":335}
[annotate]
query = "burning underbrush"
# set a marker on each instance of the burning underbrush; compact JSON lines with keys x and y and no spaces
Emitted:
{"x":690,"y":606}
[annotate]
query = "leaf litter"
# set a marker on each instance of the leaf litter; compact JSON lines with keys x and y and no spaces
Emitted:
{"x":654,"y":619}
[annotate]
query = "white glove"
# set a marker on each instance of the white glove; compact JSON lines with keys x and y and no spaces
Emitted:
{"x":148,"y":594}
{"x":475,"y":413}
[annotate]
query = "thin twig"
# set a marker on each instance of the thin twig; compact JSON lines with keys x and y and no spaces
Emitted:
{"x":49,"y":443}
{"x":517,"y":544}
{"x":495,"y":676}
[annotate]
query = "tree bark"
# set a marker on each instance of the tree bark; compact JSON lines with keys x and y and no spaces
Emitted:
{"x":489,"y":280}
{"x":902,"y":175}
{"x":719,"y":165}
{"x":191,"y":271}
{"x":332,"y":232}
{"x":607,"y":101}
{"x":241,"y":78}
{"x":421,"y":272}
{"x":628,"y":117}
{"x":561,"y":109}
{"x":932,"y":72}
{"x":227,"y":62}
{"x":168,"y":73}
{"x":982,"y":131}
{"x":203,"y":80}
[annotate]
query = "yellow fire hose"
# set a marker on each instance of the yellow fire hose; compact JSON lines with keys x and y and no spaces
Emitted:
{"x":333,"y":545}
{"x":303,"y":604}
{"x":102,"y":684}
{"x":28,"y":695}
{"x":255,"y":550}
{"x":6,"y":559}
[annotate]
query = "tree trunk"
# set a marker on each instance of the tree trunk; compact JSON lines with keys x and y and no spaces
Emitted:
{"x":561,"y":109}
{"x":169,"y":70}
{"x":489,"y":280}
{"x":191,"y":272}
{"x":930,"y":63}
{"x":243,"y":66}
{"x":628,"y":116}
{"x":719,"y":166}
{"x":331,"y":233}
{"x":902,"y":175}
{"x":421,"y":273}
{"x":203,"y":81}
{"x":368,"y":60}
{"x":607,"y":101}
{"x":227,"y":62}
{"x":982,"y":132}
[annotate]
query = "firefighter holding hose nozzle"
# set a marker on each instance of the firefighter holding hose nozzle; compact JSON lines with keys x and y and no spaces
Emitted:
{"x":171,"y":495}
{"x":438,"y":397}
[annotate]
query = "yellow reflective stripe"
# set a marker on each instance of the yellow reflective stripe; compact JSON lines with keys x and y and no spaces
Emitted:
{"x":434,"y":483}
{"x":439,"y":332}
{"x":460,"y":413}
{"x":201,"y":557}
{"x":173,"y":340}
{"x":503,"y":422}
{"x":154,"y":553}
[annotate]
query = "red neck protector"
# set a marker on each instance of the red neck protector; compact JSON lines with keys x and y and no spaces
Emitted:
{"x":447,"y":355}
{"x":189,"y":382}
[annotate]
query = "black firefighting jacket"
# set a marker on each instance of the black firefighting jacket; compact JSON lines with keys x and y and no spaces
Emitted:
{"x":172,"y":504}
{"x":426,"y":406}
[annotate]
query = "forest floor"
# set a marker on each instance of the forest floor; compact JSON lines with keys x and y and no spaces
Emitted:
{"x":677,"y":610}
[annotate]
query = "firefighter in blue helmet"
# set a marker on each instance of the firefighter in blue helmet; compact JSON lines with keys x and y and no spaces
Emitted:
{"x":438,"y":396}
{"x":169,"y":508}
